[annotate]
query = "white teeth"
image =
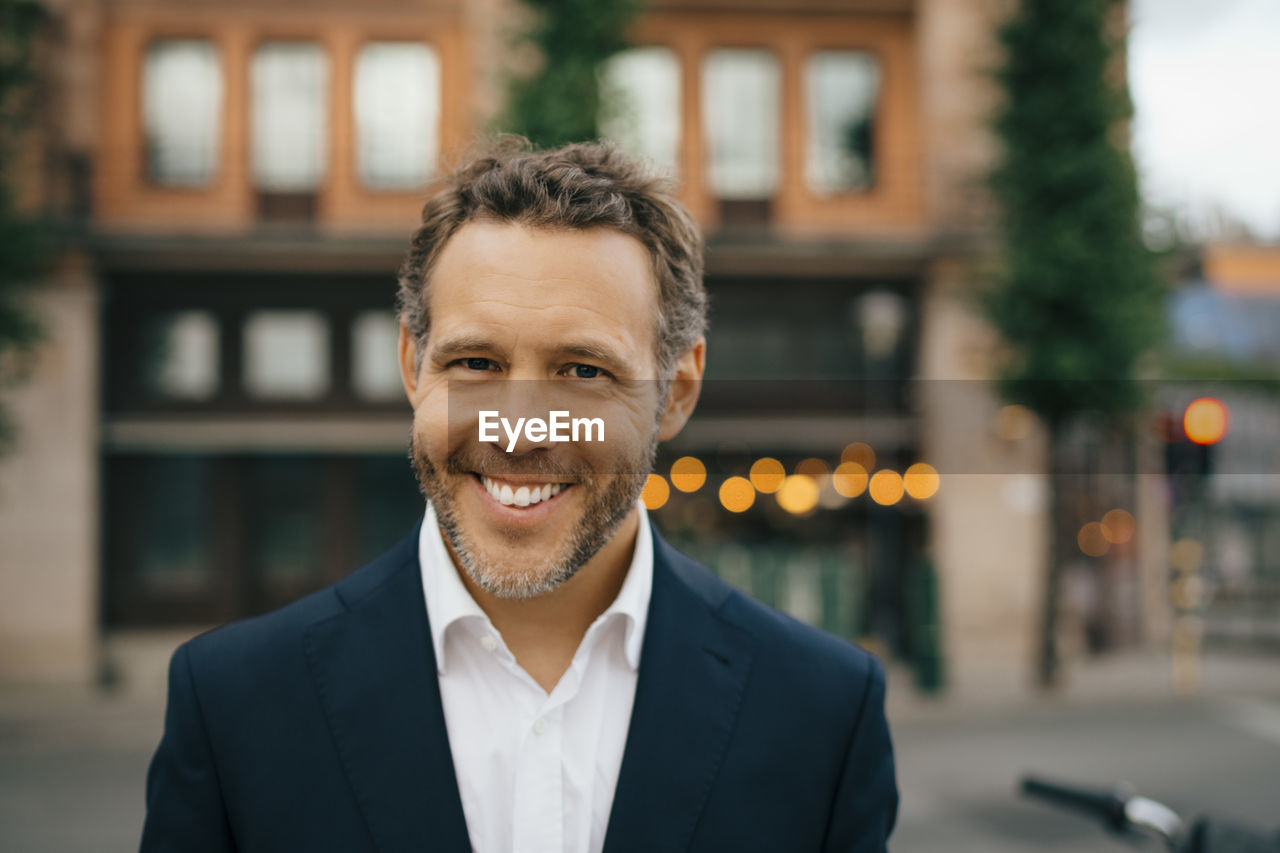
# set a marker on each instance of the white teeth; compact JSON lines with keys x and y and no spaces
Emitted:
{"x":522,"y":496}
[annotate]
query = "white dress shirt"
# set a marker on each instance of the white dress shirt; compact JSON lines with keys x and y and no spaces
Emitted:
{"x":536,"y":771}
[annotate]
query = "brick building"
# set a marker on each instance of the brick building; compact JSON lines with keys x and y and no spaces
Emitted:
{"x":215,"y":425}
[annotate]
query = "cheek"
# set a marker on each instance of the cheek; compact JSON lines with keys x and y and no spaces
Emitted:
{"x":628,"y":433}
{"x":431,"y":423}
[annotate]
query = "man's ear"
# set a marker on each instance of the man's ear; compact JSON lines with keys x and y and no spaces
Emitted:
{"x":682,"y":394}
{"x":408,"y":362}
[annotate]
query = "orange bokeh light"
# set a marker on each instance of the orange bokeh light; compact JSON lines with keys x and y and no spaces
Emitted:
{"x":1205,"y":420}
{"x":767,"y":475}
{"x":798,"y":495}
{"x":1092,"y":540}
{"x":813,"y":467}
{"x":737,"y":494}
{"x":921,"y":481}
{"x":688,"y":474}
{"x":850,"y":479}
{"x":861,"y":453}
{"x":656,"y":491}
{"x":1118,"y":526}
{"x":886,"y":487}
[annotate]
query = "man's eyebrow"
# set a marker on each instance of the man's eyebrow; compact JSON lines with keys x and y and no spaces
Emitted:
{"x":602,"y":355}
{"x":450,"y":347}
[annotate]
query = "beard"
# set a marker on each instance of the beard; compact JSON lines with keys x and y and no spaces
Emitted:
{"x":608,"y":498}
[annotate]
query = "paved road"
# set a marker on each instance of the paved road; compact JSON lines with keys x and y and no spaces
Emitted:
{"x":957,"y":776}
{"x":71,"y":772}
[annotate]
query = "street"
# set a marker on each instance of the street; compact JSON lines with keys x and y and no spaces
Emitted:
{"x":72,"y":768}
{"x":958,"y":778}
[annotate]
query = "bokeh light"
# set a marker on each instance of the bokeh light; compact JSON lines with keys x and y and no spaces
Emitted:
{"x":1013,"y":422}
{"x":655,"y":492}
{"x":688,"y":473}
{"x":767,"y":475}
{"x":1185,"y":555}
{"x":1187,"y":593}
{"x":798,"y":495}
{"x":850,"y":479}
{"x":921,"y":481}
{"x":813,"y":467}
{"x":886,"y":487}
{"x":1205,"y":420}
{"x":828,"y":497}
{"x":1118,"y":526}
{"x":737,"y":494}
{"x":861,"y":453}
{"x":1092,"y":541}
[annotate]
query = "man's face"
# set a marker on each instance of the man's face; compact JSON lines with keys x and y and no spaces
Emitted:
{"x":523,"y":322}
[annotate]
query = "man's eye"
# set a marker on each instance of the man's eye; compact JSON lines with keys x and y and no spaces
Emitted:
{"x":585,"y":371}
{"x":478,"y":363}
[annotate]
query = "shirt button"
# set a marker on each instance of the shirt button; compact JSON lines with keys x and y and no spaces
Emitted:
{"x":539,"y":726}
{"x":488,"y":642}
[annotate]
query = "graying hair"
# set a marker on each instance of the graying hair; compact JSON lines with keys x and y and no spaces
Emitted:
{"x":577,"y":186}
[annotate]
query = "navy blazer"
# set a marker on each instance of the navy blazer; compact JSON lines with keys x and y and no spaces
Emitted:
{"x":319,"y":728}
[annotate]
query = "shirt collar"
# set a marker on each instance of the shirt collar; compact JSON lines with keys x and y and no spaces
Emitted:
{"x":449,"y":601}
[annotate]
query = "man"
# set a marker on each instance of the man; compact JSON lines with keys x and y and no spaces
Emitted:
{"x":533,"y":668}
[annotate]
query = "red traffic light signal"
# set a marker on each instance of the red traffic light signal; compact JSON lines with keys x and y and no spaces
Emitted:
{"x":1205,"y":420}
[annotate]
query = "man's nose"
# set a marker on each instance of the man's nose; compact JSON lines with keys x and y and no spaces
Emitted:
{"x":525,"y":404}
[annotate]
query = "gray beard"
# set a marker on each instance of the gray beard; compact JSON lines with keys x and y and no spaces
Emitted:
{"x":610,"y":498}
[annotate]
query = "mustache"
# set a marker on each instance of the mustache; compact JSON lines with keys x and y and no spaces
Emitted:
{"x":540,"y":465}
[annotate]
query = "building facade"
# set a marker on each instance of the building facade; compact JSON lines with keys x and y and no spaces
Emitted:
{"x":215,"y":427}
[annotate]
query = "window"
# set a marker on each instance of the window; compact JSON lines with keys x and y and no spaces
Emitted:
{"x":200,"y":538}
{"x":397,"y":106}
{"x":641,"y":104}
{"x":286,"y":532}
{"x":842,"y":88}
{"x":286,"y":354}
{"x":290,"y":119}
{"x":740,"y":101}
{"x":182,"y":111}
{"x":375,"y":366}
{"x":180,"y":355}
{"x":172,"y":523}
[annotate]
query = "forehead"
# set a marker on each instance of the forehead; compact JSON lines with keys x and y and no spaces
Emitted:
{"x":494,"y":277}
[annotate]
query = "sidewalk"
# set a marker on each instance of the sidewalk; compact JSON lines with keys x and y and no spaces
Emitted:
{"x":73,"y":762}
{"x":1141,"y":676}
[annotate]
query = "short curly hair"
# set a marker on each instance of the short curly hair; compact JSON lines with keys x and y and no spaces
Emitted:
{"x":577,"y":186}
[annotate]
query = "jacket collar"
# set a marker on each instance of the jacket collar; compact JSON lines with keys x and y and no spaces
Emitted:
{"x":449,"y":602}
{"x":375,"y":670}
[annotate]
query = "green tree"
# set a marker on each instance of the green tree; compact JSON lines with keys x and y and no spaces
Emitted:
{"x":20,"y":238}
{"x":1077,"y":299}
{"x":560,"y":102}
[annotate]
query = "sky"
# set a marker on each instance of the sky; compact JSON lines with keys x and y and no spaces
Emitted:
{"x":1205,"y":80}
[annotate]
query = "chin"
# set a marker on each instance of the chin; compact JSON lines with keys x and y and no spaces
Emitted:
{"x":505,"y":579}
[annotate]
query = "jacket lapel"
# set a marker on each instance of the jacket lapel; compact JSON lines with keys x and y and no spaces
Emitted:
{"x":693,"y":671}
{"x":376,"y":673}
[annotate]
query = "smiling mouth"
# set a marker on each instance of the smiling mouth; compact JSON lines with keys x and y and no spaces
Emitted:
{"x":520,"y":494}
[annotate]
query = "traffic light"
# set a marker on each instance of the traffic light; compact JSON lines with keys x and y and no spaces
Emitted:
{"x":1205,"y":421}
{"x":1189,"y":441}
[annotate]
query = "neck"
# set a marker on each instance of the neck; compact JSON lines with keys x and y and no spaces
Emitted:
{"x":544,"y":632}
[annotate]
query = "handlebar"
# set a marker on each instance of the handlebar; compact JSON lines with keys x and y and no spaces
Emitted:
{"x":1122,"y":810}
{"x":1119,"y":808}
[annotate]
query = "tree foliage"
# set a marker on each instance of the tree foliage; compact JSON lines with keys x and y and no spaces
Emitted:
{"x":1078,"y":302}
{"x":21,"y":240}
{"x":560,"y":102}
